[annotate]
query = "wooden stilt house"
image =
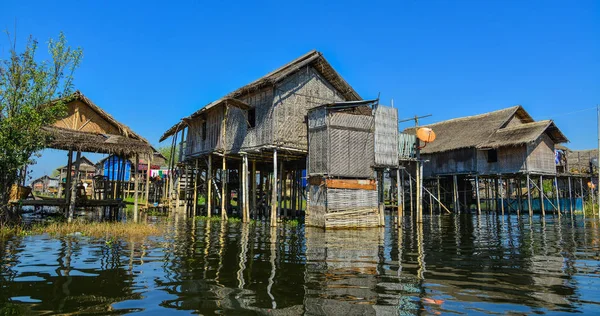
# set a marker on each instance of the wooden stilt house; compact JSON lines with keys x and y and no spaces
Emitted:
{"x":256,"y":137}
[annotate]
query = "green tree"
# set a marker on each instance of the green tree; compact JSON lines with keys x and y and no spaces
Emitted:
{"x":32,"y":94}
{"x":166,"y":152}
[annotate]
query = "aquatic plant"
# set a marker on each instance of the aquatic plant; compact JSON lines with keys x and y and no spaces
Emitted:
{"x":234,"y":220}
{"x":206,"y":218}
{"x":292,"y":222}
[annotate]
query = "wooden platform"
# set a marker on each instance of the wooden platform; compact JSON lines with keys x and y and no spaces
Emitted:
{"x":63,"y":203}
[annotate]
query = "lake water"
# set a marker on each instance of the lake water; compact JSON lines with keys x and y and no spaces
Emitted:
{"x":487,"y":264}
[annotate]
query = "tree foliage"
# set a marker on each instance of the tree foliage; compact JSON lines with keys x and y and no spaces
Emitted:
{"x":166,"y":152}
{"x":32,"y":94}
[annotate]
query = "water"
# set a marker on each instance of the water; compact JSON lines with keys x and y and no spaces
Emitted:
{"x":449,"y":264}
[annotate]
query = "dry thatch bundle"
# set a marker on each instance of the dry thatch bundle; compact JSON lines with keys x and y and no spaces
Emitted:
{"x":62,"y":138}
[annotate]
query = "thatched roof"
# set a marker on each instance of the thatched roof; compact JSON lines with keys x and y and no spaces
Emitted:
{"x":489,"y":130}
{"x":126,"y":142}
{"x":66,"y":139}
{"x":312,"y":58}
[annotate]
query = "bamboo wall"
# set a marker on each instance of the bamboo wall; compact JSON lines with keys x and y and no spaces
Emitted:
{"x":341,"y":208}
{"x":293,"y":97}
{"x":510,"y":160}
{"x":386,"y":136}
{"x":540,"y":156}
{"x":81,"y":117}
{"x":195,"y":144}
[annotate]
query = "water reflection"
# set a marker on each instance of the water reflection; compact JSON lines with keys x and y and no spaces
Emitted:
{"x":463,"y":263}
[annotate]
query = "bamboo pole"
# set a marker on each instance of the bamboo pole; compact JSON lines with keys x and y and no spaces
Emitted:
{"x":477,"y":194}
{"x":529,"y":196}
{"x":245,"y":217}
{"x":439,"y":195}
{"x":570,"y":196}
{"x":274,"y":200}
{"x":253,"y":185}
{"x":136,"y":183}
{"x":455,"y":193}
{"x":148,"y":175}
{"x":224,"y":199}
{"x":279,"y":187}
{"x":209,"y":180}
{"x":68,"y":181}
{"x":73,"y":196}
{"x":501,"y":193}
{"x":196,"y":174}
{"x":402,"y":188}
{"x":398,"y":196}
{"x":541,"y":189}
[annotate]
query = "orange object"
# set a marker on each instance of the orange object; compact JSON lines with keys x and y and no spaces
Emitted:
{"x":591,"y":185}
{"x":425,"y":134}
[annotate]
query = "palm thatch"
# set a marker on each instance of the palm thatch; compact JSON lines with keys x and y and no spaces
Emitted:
{"x":312,"y":58}
{"x":489,"y":130}
{"x":66,"y":139}
{"x":124,"y":142}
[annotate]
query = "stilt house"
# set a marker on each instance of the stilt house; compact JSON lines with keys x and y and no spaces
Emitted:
{"x":262,"y":123}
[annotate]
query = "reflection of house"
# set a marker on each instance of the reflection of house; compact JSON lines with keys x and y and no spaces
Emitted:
{"x":45,"y":185}
{"x":87,"y":171}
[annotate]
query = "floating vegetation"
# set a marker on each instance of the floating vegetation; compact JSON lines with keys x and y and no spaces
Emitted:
{"x":206,"y":218}
{"x":107,"y":230}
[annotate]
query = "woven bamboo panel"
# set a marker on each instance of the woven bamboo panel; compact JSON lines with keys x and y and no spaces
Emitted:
{"x":353,"y":219}
{"x":406,"y":146}
{"x":350,"y":153}
{"x":386,"y":136}
{"x":346,"y":199}
{"x":318,"y":151}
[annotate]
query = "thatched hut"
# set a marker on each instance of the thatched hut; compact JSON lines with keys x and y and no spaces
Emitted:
{"x":87,"y":128}
{"x":262,"y":124}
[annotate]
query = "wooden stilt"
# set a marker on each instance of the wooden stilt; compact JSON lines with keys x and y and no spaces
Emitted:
{"x":402,"y":189}
{"x":209,"y":180}
{"x":293,"y":198}
{"x":570,"y":196}
{"x":410,"y":187}
{"x":529,"y":196}
{"x":477,"y":195}
{"x":253,"y":186}
{"x":73,"y":196}
{"x":455,"y":193}
{"x":557,"y":195}
{"x":582,"y":195}
{"x":279,"y":185}
{"x":496,"y":193}
{"x":148,"y":176}
{"x":486,"y":189}
{"x":501,"y":193}
{"x":136,"y":183}
{"x":68,"y":181}
{"x":543,"y":207}
{"x":197,"y":175}
{"x":398,"y":196}
{"x":224,"y":197}
{"x":284,"y":192}
{"x":274,"y":200}
{"x":439,"y":196}
{"x":245,"y":217}
{"x":520,"y":195}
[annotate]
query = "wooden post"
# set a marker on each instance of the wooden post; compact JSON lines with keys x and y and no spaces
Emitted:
{"x":582,"y":196}
{"x":136,"y":183}
{"x":398,"y":196}
{"x":501,"y":193}
{"x":402,"y":188}
{"x":496,"y":194}
{"x":274,"y":190}
{"x":410,"y":187}
{"x":284,"y":191}
{"x":455,"y":193}
{"x":293,"y":196}
{"x":529,"y":195}
{"x":419,"y":189}
{"x":73,"y":195}
{"x":245,"y":216}
{"x":439,"y":195}
{"x":68,"y":180}
{"x":196,"y":174}
{"x":279,"y":189}
{"x":542,"y":196}
{"x":570,"y":196}
{"x":148,"y":175}
{"x":224,"y":197}
{"x":520,"y":195}
{"x":253,"y":185}
{"x":557,"y":195}
{"x":487,"y":194}
{"x":477,"y":194}
{"x":209,"y":179}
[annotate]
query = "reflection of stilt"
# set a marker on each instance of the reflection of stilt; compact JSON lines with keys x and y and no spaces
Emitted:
{"x":222,"y":235}
{"x":421,"y":250}
{"x":206,"y":246}
{"x":273,"y":248}
{"x":243,"y":253}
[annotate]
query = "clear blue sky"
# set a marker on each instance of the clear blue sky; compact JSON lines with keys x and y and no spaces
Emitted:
{"x":151,"y":63}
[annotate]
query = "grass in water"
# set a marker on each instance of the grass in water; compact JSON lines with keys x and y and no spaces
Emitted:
{"x":97,"y":230}
{"x":206,"y":218}
{"x":292,"y":222}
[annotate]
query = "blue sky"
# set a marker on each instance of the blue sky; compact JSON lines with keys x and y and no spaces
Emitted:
{"x":151,"y":63}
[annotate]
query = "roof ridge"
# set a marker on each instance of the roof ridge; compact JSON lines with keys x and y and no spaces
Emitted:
{"x":470,"y":117}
